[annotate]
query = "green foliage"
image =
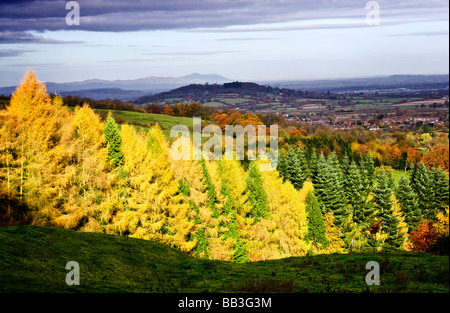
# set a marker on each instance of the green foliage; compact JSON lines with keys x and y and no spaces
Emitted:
{"x":383,"y":194}
{"x":330,"y":188}
{"x":295,"y":171}
{"x":240,"y":254}
{"x":316,"y":223}
{"x":201,"y":248}
{"x":368,"y":171}
{"x":422,"y":184}
{"x":282,"y":165}
{"x":211,"y":190}
{"x":409,"y":202}
{"x":441,"y":189}
{"x":313,"y":165}
{"x":257,"y":196}
{"x":384,"y":205}
{"x":113,"y":141}
{"x":184,"y":187}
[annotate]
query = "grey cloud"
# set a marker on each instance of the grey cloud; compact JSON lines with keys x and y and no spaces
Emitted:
{"x":119,"y":15}
{"x":274,"y":28}
{"x":12,"y":53}
{"x":26,"y":37}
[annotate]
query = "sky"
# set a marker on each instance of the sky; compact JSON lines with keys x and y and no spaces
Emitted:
{"x":246,"y":40}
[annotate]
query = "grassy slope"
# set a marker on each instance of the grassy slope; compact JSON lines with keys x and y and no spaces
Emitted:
{"x":165,"y":121}
{"x":33,"y":259}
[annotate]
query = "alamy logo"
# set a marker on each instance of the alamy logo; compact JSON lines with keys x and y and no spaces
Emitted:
{"x":73,"y":16}
{"x":73,"y":277}
{"x":373,"y":16}
{"x":373,"y":277}
{"x":212,"y":149}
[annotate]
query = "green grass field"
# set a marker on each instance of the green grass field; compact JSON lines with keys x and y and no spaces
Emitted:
{"x":33,"y":259}
{"x":142,"y":121}
{"x":396,"y":174}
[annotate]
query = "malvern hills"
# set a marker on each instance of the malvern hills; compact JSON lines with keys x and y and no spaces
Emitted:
{"x":125,"y":89}
{"x":132,"y":89}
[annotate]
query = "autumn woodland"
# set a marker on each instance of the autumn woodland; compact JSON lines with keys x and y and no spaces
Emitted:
{"x":72,"y":167}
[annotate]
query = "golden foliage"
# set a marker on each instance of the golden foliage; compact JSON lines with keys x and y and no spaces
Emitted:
{"x":333,"y":235}
{"x":287,"y":208}
{"x":442,"y":224}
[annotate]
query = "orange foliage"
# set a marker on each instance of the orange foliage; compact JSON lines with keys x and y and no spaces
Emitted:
{"x":298,"y":133}
{"x":249,"y":119}
{"x":424,"y":237}
{"x":403,"y":146}
{"x":168,"y":110}
{"x":392,"y":155}
{"x":235,"y":115}
{"x":414,"y":156}
{"x":222,"y":120}
{"x":439,"y":157}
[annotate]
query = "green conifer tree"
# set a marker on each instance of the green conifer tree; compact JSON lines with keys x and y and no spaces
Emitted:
{"x":201,"y":249}
{"x":423,"y":186}
{"x":240,"y":252}
{"x":330,"y":189}
{"x":313,"y":163}
{"x":384,"y":205}
{"x":316,"y":223}
{"x":295,"y":171}
{"x":257,"y":196}
{"x":211,"y":190}
{"x":360,"y":206}
{"x":408,"y":202}
{"x":441,"y":190}
{"x":282,"y":164}
{"x":301,"y":156}
{"x":353,"y":184}
{"x":321,"y":181}
{"x":113,"y":140}
{"x":368,"y":172}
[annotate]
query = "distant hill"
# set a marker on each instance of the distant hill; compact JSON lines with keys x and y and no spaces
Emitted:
{"x":370,"y":83}
{"x":125,"y":89}
{"x":201,"y":93}
{"x":152,"y":88}
{"x":103,"y":93}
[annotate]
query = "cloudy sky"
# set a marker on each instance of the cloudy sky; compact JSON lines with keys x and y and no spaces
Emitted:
{"x":239,"y":39}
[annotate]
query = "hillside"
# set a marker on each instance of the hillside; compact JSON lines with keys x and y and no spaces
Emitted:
{"x":122,"y":88}
{"x":33,"y":259}
{"x":207,"y":93}
{"x":142,"y":121}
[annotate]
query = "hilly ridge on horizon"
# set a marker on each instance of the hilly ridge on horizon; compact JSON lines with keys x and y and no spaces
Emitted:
{"x":131,"y":90}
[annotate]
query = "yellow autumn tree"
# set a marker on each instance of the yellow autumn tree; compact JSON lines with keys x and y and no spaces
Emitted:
{"x":34,"y":135}
{"x":11,"y":168}
{"x":153,"y":208}
{"x":90,"y":175}
{"x":287,"y":208}
{"x":32,"y":111}
{"x":333,"y":235}
{"x":442,"y":224}
{"x":175,"y":204}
